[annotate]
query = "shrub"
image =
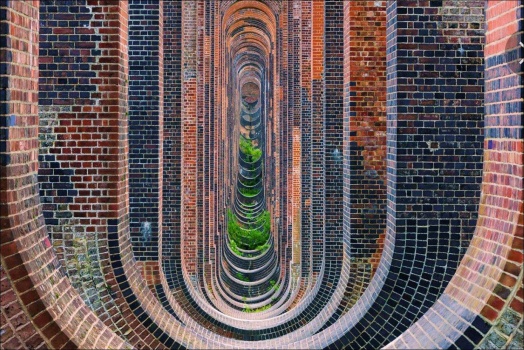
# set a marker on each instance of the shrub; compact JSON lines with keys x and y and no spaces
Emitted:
{"x":250,"y":237}
{"x":234,"y":247}
{"x":250,"y":192}
{"x":246,"y":146}
{"x":241,"y":277}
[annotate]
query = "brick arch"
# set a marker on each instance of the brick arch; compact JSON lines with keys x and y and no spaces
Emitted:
{"x":274,"y":5}
{"x":475,"y":308}
{"x":233,"y":13}
{"x":486,"y":290}
{"x":253,"y":44}
{"x":57,"y":313}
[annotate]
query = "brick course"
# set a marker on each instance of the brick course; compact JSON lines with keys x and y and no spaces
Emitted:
{"x":46,"y":295}
{"x":145,"y":126}
{"x":375,"y":116}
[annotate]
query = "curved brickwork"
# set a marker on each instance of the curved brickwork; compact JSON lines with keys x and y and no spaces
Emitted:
{"x":145,"y":126}
{"x":425,"y":252}
{"x":86,"y":153}
{"x":73,"y":178}
{"x":391,"y":167}
{"x":34,"y":272}
{"x":482,"y":307}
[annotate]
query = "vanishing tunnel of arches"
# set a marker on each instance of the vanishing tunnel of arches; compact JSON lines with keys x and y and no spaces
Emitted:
{"x":261,"y":174}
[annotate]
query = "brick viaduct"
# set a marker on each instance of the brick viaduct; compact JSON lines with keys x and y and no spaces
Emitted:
{"x":393,"y":172}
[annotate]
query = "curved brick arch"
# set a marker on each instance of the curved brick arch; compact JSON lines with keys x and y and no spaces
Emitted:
{"x":233,"y":12}
{"x":251,"y":45}
{"x":476,"y":312}
{"x":54,"y":307}
{"x":274,"y":5}
{"x":427,"y":290}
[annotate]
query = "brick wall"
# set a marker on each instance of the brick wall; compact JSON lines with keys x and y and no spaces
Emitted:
{"x":295,"y":122}
{"x":365,"y":107}
{"x":435,"y":100}
{"x":483,"y":305}
{"x":435,"y":84}
{"x":363,"y":144}
{"x":285,"y":141}
{"x":145,"y":126}
{"x":43,"y":290}
{"x":306,"y":136}
{"x":333,"y":139}
{"x":17,"y":106}
{"x":501,"y":227}
{"x":76,"y":106}
{"x":189,"y":138}
{"x":84,"y":146}
{"x":330,"y":169}
{"x":171,"y":185}
{"x":318,"y":132}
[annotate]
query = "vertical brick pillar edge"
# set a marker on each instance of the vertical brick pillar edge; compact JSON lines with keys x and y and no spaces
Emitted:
{"x":18,"y":89}
{"x":189,"y":138}
{"x":49,"y":300}
{"x":146,"y":132}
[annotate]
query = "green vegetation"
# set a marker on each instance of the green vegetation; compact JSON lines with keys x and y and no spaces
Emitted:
{"x":274,"y":285}
{"x":262,"y":248}
{"x":252,"y":237}
{"x":253,"y":153}
{"x":248,"y":310}
{"x":234,"y":247}
{"x":252,"y":234}
{"x":250,"y":192}
{"x":241,"y":277}
{"x":250,"y":182}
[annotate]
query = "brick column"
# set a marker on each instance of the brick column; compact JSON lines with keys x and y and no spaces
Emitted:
{"x":296,"y":129}
{"x":146,"y":118}
{"x":201,"y":133}
{"x":317,"y":135}
{"x":172,"y":155}
{"x":364,"y":138}
{"x":84,"y":153}
{"x":306,"y":136}
{"x":43,"y":290}
{"x":365,"y":131}
{"x":436,"y":155}
{"x":333,"y":139}
{"x":434,"y":116}
{"x":18,"y":163}
{"x":482,"y":306}
{"x":189,"y":149}
{"x":78,"y":107}
{"x":498,"y":303}
{"x":283,"y":168}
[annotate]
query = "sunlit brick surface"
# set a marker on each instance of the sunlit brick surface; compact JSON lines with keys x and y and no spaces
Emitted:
{"x":392,"y":170}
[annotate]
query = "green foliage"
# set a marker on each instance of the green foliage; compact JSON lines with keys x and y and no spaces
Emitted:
{"x":248,"y":310}
{"x":241,"y":277}
{"x":262,"y":248}
{"x":246,"y":146}
{"x":251,"y":182}
{"x":274,"y":286}
{"x":251,"y":237}
{"x":234,"y":248}
{"x":254,"y":234}
{"x":250,"y":192}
